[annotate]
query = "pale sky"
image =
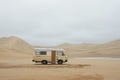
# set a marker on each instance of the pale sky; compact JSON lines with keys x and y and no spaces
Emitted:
{"x":53,"y":22}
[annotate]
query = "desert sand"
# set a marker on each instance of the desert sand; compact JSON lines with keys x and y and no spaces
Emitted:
{"x":24,"y":69}
{"x":16,"y":62}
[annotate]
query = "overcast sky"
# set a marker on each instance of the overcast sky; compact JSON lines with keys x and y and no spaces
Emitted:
{"x":52,"y":22}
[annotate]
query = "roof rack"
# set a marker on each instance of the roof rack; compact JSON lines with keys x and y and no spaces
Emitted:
{"x":49,"y":49}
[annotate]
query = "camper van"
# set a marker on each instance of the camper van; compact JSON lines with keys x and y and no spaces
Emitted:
{"x":49,"y":55}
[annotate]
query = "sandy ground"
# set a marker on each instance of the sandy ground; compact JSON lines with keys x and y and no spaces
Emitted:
{"x":24,"y":69}
{"x":16,"y":62}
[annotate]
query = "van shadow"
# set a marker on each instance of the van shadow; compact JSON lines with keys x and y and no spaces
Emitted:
{"x":62,"y":65}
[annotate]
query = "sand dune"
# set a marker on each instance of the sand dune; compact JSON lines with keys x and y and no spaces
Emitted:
{"x":14,"y":47}
{"x":15,"y":43}
{"x":18,"y":46}
{"x":110,"y":49}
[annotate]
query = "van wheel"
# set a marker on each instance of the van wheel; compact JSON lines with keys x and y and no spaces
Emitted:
{"x":44,"y":62}
{"x":60,"y":62}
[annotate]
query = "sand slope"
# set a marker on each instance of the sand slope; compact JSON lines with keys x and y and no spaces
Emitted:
{"x":15,"y":43}
{"x":14,"y":47}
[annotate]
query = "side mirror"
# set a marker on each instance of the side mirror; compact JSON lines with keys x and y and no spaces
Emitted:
{"x":63,"y":54}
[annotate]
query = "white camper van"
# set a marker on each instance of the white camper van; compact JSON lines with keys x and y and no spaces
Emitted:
{"x":49,"y":55}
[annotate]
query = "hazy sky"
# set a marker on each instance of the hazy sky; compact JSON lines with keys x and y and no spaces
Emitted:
{"x":52,"y":22}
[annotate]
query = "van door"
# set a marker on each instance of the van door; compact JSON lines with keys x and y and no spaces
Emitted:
{"x":53,"y":57}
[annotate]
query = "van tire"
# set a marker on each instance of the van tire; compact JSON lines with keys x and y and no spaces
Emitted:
{"x":60,"y":62}
{"x":44,"y":62}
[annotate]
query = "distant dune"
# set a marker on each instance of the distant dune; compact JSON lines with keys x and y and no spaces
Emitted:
{"x":14,"y":46}
{"x":110,"y":49}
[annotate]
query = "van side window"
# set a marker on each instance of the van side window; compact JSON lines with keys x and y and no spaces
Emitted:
{"x":37,"y":52}
{"x":43,"y":53}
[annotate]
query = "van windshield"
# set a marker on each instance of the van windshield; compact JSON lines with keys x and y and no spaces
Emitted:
{"x":60,"y":53}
